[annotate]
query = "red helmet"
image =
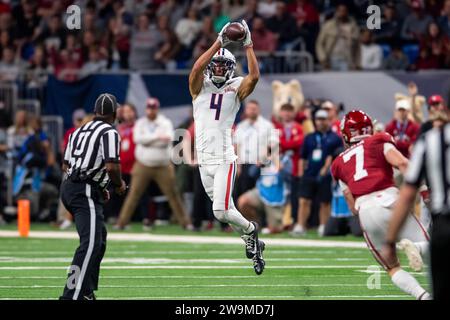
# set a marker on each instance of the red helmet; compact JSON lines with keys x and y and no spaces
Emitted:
{"x":356,"y":126}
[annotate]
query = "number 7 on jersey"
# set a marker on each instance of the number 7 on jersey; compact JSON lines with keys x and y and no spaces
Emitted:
{"x":358,"y":152}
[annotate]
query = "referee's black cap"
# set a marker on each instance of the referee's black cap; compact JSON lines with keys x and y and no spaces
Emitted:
{"x":105,"y":104}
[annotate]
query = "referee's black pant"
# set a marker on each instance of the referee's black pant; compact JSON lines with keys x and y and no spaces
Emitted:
{"x":85,"y":202}
{"x":440,"y":257}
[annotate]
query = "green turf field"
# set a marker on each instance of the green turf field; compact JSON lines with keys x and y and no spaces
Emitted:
{"x":35,"y":268}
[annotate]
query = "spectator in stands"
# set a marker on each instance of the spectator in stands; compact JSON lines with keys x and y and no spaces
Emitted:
{"x":118,"y":38}
{"x":342,"y":221}
{"x":251,"y":12}
{"x":437,"y":44}
{"x":6,"y":23}
{"x":121,"y":12}
{"x":426,"y":60}
{"x":267,"y":8}
{"x":10,"y":65}
{"x":283,"y":25}
{"x":169,"y":47}
{"x":253,"y":136}
{"x":268,"y":198}
{"x":404,"y":130}
{"x":263,"y":39}
{"x":333,"y":114}
{"x":145,"y":41}
{"x":205,"y":39}
{"x":35,"y":161}
{"x":67,"y":62}
{"x":219,"y":17}
{"x":27,"y":20}
{"x":305,"y":12}
{"x":337,"y":43}
{"x":390,"y":26}
{"x":77,"y":119}
{"x":314,"y":165}
{"x":19,"y":131}
{"x":38,"y":61}
{"x":444,"y":19}
{"x":153,"y":134}
{"x":174,"y":10}
{"x":3,"y":158}
{"x":201,"y":204}
{"x":291,"y":141}
{"x":234,"y":9}
{"x":416,"y":23}
{"x":371,"y":54}
{"x":53,"y":34}
{"x":5,"y":41}
{"x":307,"y":17}
{"x":95,"y":63}
{"x":436,"y":107}
{"x":188,"y":28}
{"x":396,"y":60}
{"x":127,"y":156}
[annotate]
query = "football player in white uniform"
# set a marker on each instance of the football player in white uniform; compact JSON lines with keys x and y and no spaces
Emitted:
{"x":216,"y":98}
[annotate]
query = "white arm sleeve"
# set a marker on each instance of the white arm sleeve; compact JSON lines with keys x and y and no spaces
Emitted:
{"x":342,"y":185}
{"x":387,"y":146}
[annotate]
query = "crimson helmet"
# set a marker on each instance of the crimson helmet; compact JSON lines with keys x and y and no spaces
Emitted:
{"x":356,"y":126}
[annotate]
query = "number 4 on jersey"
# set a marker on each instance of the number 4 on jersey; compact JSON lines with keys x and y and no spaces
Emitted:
{"x":216,"y":103}
{"x":358,"y":152}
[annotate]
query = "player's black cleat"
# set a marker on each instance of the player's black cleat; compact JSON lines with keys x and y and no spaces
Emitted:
{"x":251,"y":241}
{"x":258,"y":260}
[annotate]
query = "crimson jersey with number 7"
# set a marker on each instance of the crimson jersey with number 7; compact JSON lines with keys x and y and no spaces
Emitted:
{"x":363,"y":167}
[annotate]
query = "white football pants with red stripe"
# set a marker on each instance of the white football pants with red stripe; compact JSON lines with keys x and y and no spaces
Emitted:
{"x":218,"y":181}
{"x":375,"y":211}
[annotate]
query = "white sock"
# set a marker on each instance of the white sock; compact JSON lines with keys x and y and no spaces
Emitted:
{"x":235,"y":219}
{"x":408,"y":284}
{"x":424,"y":249}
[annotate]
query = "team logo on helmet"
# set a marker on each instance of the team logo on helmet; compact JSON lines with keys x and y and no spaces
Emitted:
{"x":222,"y":66}
{"x":356,"y":126}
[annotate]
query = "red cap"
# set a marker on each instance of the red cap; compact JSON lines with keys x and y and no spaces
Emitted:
{"x":153,"y":103}
{"x":434,"y":99}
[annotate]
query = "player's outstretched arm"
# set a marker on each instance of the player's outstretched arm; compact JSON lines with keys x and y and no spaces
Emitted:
{"x":396,"y":159}
{"x":249,"y":83}
{"x":196,"y":75}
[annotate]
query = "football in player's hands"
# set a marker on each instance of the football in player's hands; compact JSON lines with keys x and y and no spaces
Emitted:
{"x":235,"y":32}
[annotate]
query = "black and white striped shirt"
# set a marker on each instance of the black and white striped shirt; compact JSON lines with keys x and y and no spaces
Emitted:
{"x":89,"y":148}
{"x":430,"y":160}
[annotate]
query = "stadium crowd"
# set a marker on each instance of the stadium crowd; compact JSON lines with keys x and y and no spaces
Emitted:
{"x":291,"y":189}
{"x":171,"y":34}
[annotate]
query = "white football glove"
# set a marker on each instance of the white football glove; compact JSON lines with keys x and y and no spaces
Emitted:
{"x":248,"y":36}
{"x":222,"y":37}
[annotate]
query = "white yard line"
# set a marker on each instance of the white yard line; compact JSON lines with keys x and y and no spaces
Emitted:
{"x":185,"y":277}
{"x":5,"y":260}
{"x":144,"y":251}
{"x":176,"y":286}
{"x":145,"y":237}
{"x":130,"y":267}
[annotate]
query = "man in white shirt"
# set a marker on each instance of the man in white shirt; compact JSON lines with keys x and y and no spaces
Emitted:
{"x":153,"y":135}
{"x":252,"y":137}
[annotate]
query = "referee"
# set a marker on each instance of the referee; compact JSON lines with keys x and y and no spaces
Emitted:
{"x":91,"y":160}
{"x":431,"y":161}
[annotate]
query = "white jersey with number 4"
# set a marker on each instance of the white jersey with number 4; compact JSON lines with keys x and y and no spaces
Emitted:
{"x":215,"y":110}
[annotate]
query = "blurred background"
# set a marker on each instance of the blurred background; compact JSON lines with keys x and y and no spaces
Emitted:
{"x":320,"y":50}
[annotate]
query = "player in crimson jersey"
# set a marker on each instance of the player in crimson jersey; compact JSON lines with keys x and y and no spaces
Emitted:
{"x":365,"y":172}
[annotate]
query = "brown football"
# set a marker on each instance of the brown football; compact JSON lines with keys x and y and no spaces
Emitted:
{"x":235,"y":31}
